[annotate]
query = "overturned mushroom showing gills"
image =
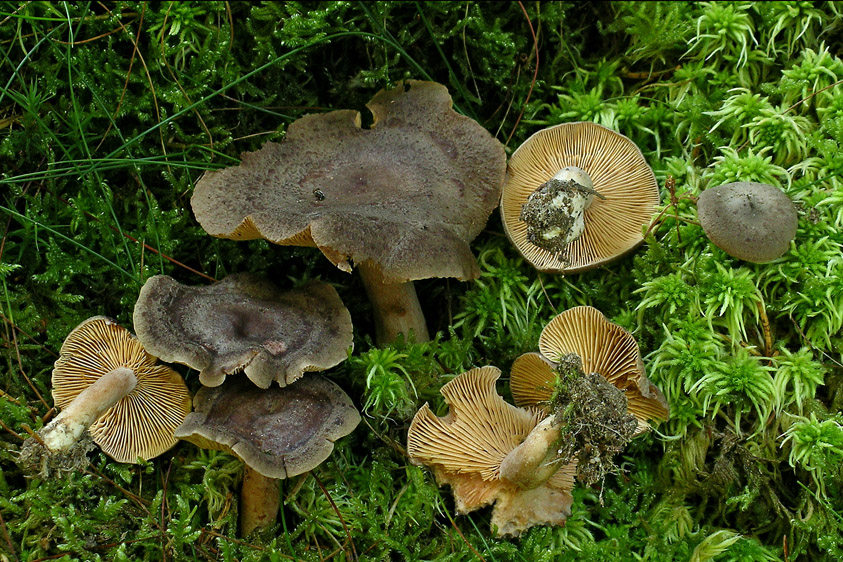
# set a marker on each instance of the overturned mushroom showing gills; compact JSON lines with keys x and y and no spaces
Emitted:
{"x":108,"y":385}
{"x":244,"y":323}
{"x":604,"y":347}
{"x":490,"y":451}
{"x":277,"y":433}
{"x":400,"y":200}
{"x":577,"y":196}
{"x":750,"y":221}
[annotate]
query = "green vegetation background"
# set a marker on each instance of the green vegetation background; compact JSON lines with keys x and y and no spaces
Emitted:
{"x":109,"y":112}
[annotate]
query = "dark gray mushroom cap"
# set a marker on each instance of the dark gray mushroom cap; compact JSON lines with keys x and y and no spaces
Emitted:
{"x":406,"y":195}
{"x":279,"y":432}
{"x":243,"y":323}
{"x":747,"y":220}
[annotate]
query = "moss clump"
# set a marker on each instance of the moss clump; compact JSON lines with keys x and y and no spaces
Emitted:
{"x":595,"y":423}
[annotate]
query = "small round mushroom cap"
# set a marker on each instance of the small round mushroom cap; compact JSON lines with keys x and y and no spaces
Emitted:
{"x":406,"y":195}
{"x":750,"y":221}
{"x":604,"y":347}
{"x":279,"y":432}
{"x":141,"y":424}
{"x":466,"y":448}
{"x":243,"y":323}
{"x":618,"y":172}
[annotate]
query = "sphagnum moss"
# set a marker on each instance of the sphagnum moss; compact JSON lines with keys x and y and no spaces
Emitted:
{"x":110,"y":113}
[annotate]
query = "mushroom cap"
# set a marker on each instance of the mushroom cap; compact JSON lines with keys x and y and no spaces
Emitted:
{"x":279,"y":432}
{"x":604,"y":347}
{"x":244,"y":323}
{"x":466,"y":447}
{"x":141,"y":424}
{"x":751,"y":221}
{"x":618,"y":171}
{"x":406,"y":195}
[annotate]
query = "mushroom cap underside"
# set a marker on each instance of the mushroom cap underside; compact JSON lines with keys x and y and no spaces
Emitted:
{"x":141,"y":424}
{"x":244,"y":323}
{"x":604,"y":347}
{"x":618,"y":171}
{"x":406,"y":195}
{"x":279,"y":432}
{"x":466,"y":447}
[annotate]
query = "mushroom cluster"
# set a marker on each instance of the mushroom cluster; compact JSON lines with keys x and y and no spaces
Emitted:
{"x":400,"y":200}
{"x":244,"y":327}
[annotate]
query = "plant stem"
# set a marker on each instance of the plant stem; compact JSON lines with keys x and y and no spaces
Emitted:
{"x":260,"y":499}
{"x":86,"y":408}
{"x":395,"y":305}
{"x":531,"y":463}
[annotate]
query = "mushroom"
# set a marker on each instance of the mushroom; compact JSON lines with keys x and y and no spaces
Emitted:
{"x":577,"y":196}
{"x":400,"y":200}
{"x":604,"y":348}
{"x":108,"y":385}
{"x":750,"y":221}
{"x":243,"y":323}
{"x":490,"y":451}
{"x":277,"y":433}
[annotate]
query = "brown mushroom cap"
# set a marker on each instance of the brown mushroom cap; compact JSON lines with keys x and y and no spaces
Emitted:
{"x":618,"y":171}
{"x":467,"y":446}
{"x":747,"y":220}
{"x":142,"y":423}
{"x":604,"y":347}
{"x":244,"y":323}
{"x":279,"y":432}
{"x":406,"y":195}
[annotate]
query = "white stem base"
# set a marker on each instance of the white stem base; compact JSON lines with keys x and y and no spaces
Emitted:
{"x":531,"y":463}
{"x":66,"y":429}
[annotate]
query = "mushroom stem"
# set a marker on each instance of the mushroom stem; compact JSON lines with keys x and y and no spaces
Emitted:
{"x":66,"y":429}
{"x":531,"y":463}
{"x":395,"y":305}
{"x":260,"y":499}
{"x":555,"y":211}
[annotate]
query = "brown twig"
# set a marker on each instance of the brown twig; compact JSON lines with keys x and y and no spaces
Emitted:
{"x":8,"y":538}
{"x":765,"y":327}
{"x":12,"y":431}
{"x":135,"y":51}
{"x":454,"y":523}
{"x":142,"y":503}
{"x":535,"y":72}
{"x":83,"y":41}
{"x":144,"y":244}
{"x":337,"y":511}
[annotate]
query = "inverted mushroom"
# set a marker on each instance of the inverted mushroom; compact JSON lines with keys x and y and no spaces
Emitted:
{"x":108,"y":385}
{"x":490,"y":451}
{"x":604,"y":347}
{"x":751,"y":221}
{"x":576,"y":197}
{"x":400,"y":200}
{"x":277,"y":433}
{"x":244,"y":323}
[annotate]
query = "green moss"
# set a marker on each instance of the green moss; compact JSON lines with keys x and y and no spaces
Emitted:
{"x":109,"y":113}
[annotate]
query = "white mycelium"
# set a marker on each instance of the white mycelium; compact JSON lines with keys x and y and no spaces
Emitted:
{"x":555,"y":212}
